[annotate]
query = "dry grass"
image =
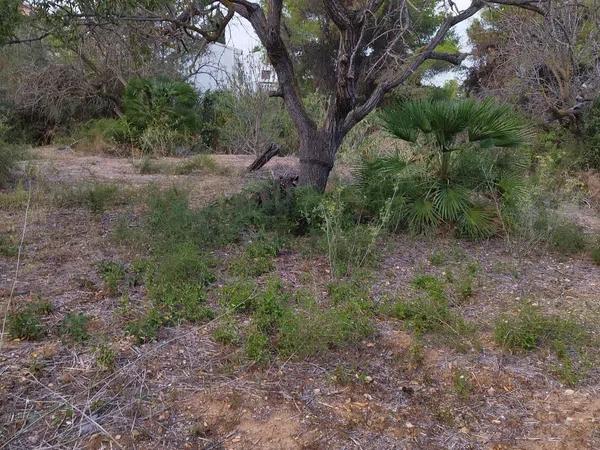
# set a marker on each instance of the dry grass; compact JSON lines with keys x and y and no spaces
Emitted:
{"x":392,"y":390}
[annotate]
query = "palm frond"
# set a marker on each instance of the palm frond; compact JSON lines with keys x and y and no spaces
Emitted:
{"x":451,"y":201}
{"x":477,"y":222}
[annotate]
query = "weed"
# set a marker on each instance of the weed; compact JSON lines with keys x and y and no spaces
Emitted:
{"x":145,"y":329}
{"x":437,"y":258}
{"x":7,"y":246}
{"x":529,"y":330}
{"x":431,"y":312}
{"x":112,"y":273}
{"x":567,"y":238}
{"x":14,"y":199}
{"x":257,"y":258}
{"x":315,"y":330}
{"x":461,"y":383}
{"x":204,"y":163}
{"x":239,"y":295}
{"x":257,"y":347}
{"x":344,"y":291}
{"x":96,"y":197}
{"x":226,"y":332}
{"x":595,"y":252}
{"x":105,"y":357}
{"x":26,"y":323}
{"x":74,"y":328}
{"x":148,"y":166}
{"x":416,"y":355}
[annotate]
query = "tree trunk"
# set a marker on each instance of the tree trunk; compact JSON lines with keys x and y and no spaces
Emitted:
{"x":317,"y":155}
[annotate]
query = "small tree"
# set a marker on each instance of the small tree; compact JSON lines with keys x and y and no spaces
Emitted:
{"x":372,"y":56}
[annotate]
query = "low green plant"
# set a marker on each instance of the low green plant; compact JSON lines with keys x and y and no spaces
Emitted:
{"x":227,"y":332}
{"x":7,"y":246}
{"x":105,"y":357}
{"x":14,"y":198}
{"x":437,"y":258}
{"x":461,"y":383}
{"x":529,"y":329}
{"x":567,"y":238}
{"x":113,"y":274}
{"x":74,"y":328}
{"x":432,"y":313}
{"x":97,"y":197}
{"x":149,"y":166}
{"x":203,"y":163}
{"x":350,"y":245}
{"x":257,"y":258}
{"x":25,"y":325}
{"x":239,"y":295}
{"x":595,"y":253}
{"x":9,"y":156}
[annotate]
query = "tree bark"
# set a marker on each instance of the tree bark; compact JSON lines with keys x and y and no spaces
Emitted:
{"x":317,"y":155}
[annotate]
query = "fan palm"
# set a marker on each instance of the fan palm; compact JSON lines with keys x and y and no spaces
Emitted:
{"x":466,"y":144}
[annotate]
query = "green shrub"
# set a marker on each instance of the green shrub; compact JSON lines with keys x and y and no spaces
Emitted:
{"x":74,"y":327}
{"x":449,"y":181}
{"x":97,"y":197}
{"x":226,"y":332}
{"x":7,"y":246}
{"x":161,"y":102}
{"x":105,"y":357}
{"x":567,"y":238}
{"x":113,"y":274}
{"x":239,"y":295}
{"x":26,"y":323}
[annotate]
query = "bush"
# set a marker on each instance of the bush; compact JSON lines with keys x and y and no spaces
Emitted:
{"x":26,"y":323}
{"x":9,"y":156}
{"x":595,"y":253}
{"x":567,"y":238}
{"x":431,"y":312}
{"x":591,"y":135}
{"x":74,"y":328}
{"x":161,"y":102}
{"x":467,"y":185}
{"x":529,"y":330}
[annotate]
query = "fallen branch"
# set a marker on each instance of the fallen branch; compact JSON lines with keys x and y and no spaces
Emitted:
{"x":271,"y":151}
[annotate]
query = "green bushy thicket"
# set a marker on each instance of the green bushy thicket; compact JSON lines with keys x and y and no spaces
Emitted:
{"x":161,"y":117}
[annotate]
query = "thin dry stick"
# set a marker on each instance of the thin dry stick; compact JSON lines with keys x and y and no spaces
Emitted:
{"x":14,"y":284}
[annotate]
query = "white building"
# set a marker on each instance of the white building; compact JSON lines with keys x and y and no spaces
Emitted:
{"x":221,"y":64}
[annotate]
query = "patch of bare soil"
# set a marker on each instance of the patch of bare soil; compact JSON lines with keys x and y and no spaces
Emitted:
{"x":187,"y":391}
